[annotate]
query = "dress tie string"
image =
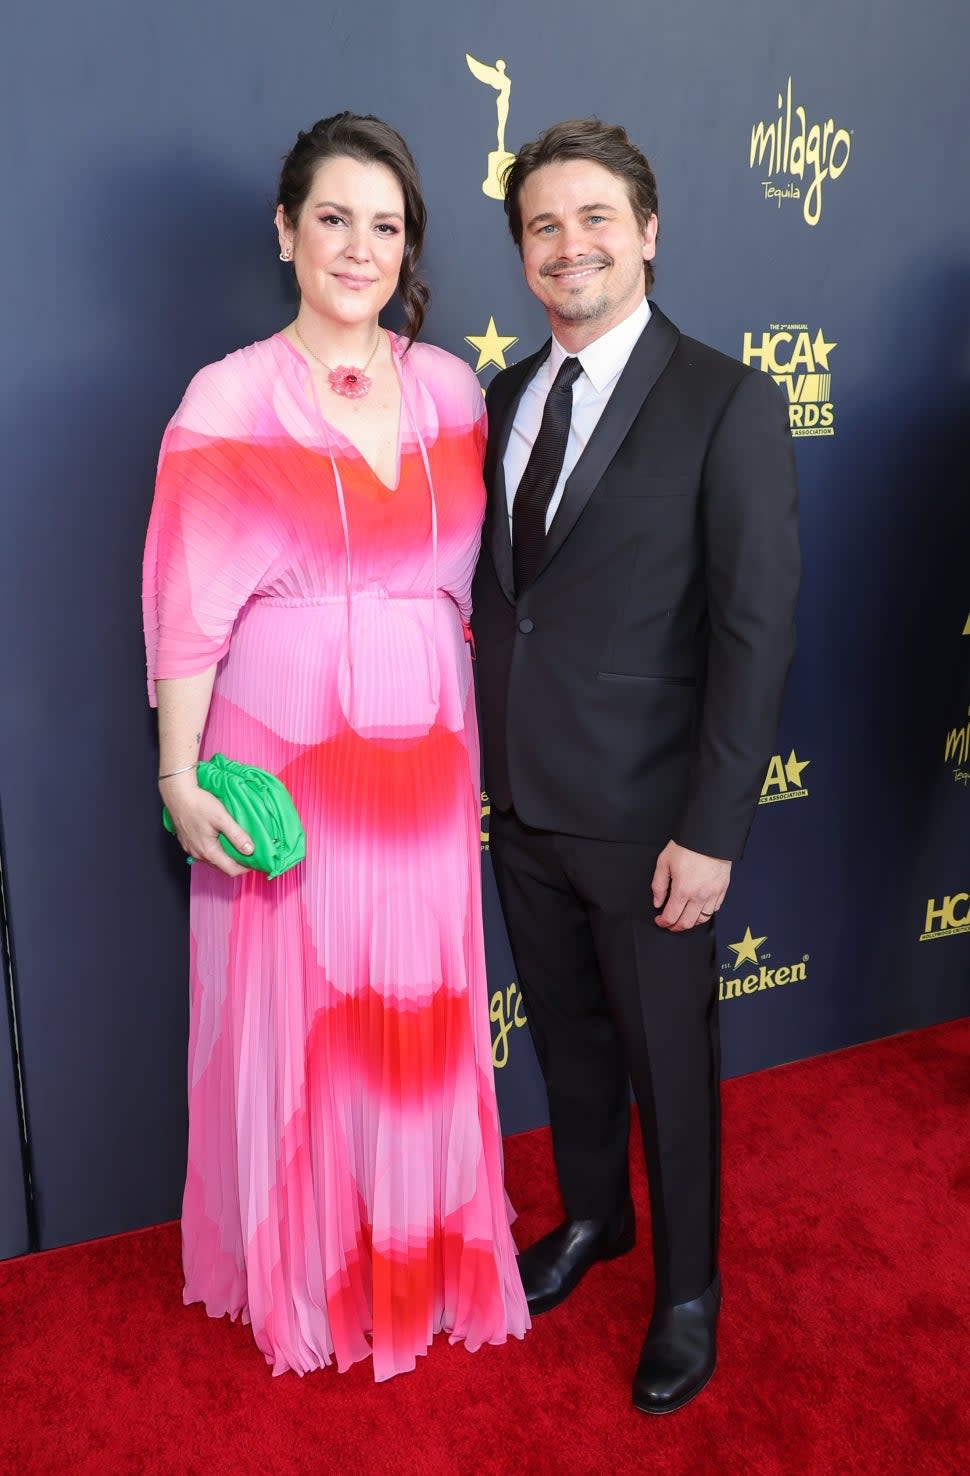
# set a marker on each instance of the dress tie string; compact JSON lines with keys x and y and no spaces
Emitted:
{"x":434,"y":667}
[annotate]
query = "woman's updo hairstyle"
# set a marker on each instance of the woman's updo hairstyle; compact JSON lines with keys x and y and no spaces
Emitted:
{"x":366,"y":138}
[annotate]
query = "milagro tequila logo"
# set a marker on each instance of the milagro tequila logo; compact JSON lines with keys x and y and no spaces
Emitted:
{"x":956,"y":752}
{"x":795,"y":157}
{"x":764,"y":974}
{"x":507,"y":1013}
{"x":798,"y":360}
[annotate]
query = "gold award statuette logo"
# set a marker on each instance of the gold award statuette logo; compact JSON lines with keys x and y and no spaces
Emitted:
{"x":783,"y":780}
{"x":956,"y":752}
{"x":499,"y":158}
{"x":790,"y":146}
{"x":944,"y":920}
{"x":798,"y":361}
{"x":751,"y":950}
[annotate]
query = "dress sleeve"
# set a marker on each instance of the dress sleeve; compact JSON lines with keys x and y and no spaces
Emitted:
{"x":208,"y":546}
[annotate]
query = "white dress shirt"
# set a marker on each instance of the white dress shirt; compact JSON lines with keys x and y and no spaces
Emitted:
{"x":603,"y":362}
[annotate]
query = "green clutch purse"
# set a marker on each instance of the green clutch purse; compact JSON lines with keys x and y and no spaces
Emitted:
{"x":262,"y":805}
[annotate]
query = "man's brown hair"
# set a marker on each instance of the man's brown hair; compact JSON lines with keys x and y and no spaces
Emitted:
{"x":584,"y":138}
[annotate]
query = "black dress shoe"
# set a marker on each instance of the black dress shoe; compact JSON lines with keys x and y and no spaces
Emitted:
{"x":680,"y":1353}
{"x":556,"y":1264}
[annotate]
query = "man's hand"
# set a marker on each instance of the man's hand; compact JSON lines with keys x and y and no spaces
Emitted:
{"x":693,"y":887}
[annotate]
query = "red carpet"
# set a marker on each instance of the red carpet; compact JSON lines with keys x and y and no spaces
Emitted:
{"x":845,"y":1335}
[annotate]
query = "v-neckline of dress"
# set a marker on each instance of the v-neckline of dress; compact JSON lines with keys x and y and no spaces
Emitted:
{"x":341,"y":434}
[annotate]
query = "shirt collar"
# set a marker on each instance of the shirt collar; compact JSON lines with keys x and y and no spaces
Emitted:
{"x":605,"y":358}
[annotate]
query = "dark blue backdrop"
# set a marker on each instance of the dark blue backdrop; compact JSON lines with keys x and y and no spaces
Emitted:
{"x":143,"y":145}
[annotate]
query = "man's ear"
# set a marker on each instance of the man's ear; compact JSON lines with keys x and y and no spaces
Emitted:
{"x":649,"y":234}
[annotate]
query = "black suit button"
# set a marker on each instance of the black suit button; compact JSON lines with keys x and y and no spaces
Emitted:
{"x":526,"y":626}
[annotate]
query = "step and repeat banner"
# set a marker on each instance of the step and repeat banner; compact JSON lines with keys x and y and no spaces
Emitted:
{"x":814,"y":223}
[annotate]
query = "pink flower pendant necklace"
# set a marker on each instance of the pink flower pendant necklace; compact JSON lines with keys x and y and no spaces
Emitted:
{"x":346,"y":379}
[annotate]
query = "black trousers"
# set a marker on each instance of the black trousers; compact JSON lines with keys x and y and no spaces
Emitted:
{"x":611,"y":998}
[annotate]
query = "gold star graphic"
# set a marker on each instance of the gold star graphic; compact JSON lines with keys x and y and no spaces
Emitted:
{"x":793,"y":770}
{"x":821,"y":350}
{"x":491,"y":346}
{"x":747,"y":950}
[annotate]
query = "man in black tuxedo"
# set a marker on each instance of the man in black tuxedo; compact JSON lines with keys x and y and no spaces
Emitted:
{"x":634,"y":625}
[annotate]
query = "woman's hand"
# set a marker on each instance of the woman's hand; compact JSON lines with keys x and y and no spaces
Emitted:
{"x":199,"y":818}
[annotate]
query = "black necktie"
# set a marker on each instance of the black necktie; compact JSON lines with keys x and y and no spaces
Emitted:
{"x":539,"y":479}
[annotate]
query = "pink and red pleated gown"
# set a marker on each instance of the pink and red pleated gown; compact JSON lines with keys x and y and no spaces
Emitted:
{"x":344,"y":1189}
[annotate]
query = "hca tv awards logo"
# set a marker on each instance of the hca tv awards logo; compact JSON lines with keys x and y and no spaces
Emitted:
{"x":764,"y":974}
{"x":798,"y":361}
{"x":947,"y":918}
{"x":798,"y":157}
{"x":783,"y":780}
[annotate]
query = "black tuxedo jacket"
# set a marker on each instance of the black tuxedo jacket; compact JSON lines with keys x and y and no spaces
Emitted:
{"x":633,"y":691}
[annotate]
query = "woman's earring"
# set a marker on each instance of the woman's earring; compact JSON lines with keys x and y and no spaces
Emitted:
{"x":285,"y":254}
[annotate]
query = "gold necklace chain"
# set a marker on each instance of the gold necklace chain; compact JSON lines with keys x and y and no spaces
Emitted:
{"x":328,"y":367}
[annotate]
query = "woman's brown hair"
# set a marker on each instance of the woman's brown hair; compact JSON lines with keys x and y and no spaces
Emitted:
{"x":366,"y":138}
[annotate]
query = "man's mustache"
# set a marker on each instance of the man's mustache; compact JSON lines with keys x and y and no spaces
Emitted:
{"x":553,"y":268}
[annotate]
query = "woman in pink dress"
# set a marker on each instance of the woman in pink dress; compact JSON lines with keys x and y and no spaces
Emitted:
{"x":307,"y":573}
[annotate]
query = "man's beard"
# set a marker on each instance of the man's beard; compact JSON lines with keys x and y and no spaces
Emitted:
{"x":580,"y":309}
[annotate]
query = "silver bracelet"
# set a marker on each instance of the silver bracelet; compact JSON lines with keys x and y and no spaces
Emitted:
{"x":173,"y":772}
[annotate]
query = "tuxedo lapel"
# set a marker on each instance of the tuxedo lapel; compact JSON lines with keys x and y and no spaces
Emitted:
{"x":501,"y":416}
{"x":650,"y":356}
